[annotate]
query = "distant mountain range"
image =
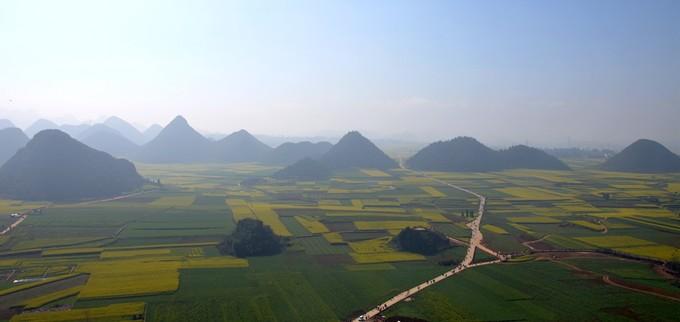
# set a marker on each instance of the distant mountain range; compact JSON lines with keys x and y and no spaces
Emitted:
{"x":240,"y":146}
{"x":178,"y":142}
{"x":466,"y":154}
{"x":80,"y":131}
{"x":126,"y":130}
{"x":355,"y":151}
{"x":5,"y":123}
{"x":152,"y":132}
{"x":579,"y":153}
{"x":644,"y":156}
{"x":11,"y":140}
{"x":55,"y":167}
{"x":110,"y":141}
{"x":352,"y":151}
{"x":289,"y":153}
{"x":40,"y":125}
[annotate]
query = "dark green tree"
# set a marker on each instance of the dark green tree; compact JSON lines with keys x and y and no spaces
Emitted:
{"x":251,"y":238}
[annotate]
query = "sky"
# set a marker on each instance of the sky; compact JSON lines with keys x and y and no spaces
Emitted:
{"x":547,"y":73}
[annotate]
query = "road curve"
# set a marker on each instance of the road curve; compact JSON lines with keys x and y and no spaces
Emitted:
{"x":475,"y":242}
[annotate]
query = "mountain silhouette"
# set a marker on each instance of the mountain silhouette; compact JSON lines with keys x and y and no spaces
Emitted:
{"x":55,"y":167}
{"x":305,"y":170}
{"x":40,"y":125}
{"x":74,"y":130}
{"x":289,"y":153}
{"x":178,"y":142}
{"x":355,"y":151}
{"x":525,"y":157}
{"x":94,"y":129}
{"x":644,"y":156}
{"x":104,"y":138}
{"x":5,"y":123}
{"x":240,"y":146}
{"x":459,"y":154}
{"x":11,"y":140}
{"x":466,"y":154}
{"x":125,"y":129}
{"x":152,"y":132}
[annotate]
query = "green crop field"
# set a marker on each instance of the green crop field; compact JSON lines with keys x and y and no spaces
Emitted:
{"x":154,"y":254}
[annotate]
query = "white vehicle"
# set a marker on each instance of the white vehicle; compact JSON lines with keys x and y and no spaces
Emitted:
{"x":362,"y":318}
{"x":15,"y":215}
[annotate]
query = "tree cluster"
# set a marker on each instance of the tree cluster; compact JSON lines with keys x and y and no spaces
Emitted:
{"x":251,"y":238}
{"x":421,"y":241}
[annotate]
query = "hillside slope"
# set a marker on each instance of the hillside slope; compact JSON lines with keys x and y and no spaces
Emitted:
{"x":11,"y":140}
{"x":644,"y":156}
{"x":465,"y":154}
{"x":355,"y":151}
{"x":55,"y":167}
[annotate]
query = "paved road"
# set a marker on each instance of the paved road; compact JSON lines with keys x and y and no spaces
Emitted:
{"x":475,"y":242}
{"x":14,"y":224}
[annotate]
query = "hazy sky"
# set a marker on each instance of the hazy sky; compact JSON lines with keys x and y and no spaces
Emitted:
{"x":503,"y":71}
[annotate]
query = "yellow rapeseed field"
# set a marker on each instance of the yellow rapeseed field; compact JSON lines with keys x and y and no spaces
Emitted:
{"x":588,"y":225}
{"x":39,"y":301}
{"x":495,"y":229}
{"x":432,"y":191}
{"x":113,"y":312}
{"x":312,"y":225}
{"x":214,"y":262}
{"x":120,"y":278}
{"x":334,"y":238}
{"x":614,"y":241}
{"x":269,"y":217}
{"x":662,"y":252}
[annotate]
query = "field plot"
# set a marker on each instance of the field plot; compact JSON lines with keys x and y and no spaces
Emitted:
{"x":387,"y":225}
{"x":432,"y":191}
{"x":174,"y":201}
{"x":120,"y":278}
{"x":532,"y":291}
{"x":614,"y":241}
{"x":531,"y":193}
{"x":154,"y":253}
{"x":312,"y":225}
{"x":113,"y":312}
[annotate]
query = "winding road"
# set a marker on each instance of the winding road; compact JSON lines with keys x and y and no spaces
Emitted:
{"x":475,"y":242}
{"x":14,"y":224}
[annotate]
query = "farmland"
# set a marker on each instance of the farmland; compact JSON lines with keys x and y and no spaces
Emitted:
{"x":152,"y":256}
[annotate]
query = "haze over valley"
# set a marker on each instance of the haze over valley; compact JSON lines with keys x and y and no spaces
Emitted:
{"x":413,"y":161}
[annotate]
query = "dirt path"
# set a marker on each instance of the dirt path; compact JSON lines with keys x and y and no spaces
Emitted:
{"x":610,"y":281}
{"x":25,"y":214}
{"x":113,"y":198}
{"x":475,"y":242}
{"x":529,"y":243}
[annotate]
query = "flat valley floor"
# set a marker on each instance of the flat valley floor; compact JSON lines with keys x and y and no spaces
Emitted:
{"x":151,"y":255}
